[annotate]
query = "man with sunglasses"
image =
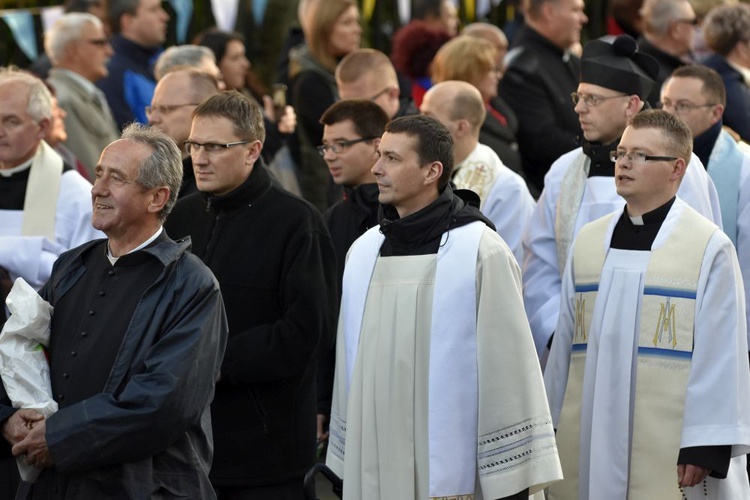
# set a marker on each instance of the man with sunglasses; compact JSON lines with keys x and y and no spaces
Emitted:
{"x":275,"y":262}
{"x":615,"y":80}
{"x":668,"y":36}
{"x":648,"y":375}
{"x":78,"y":48}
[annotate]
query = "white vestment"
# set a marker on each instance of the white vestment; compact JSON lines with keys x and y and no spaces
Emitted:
{"x":31,"y":257}
{"x":541,"y":271}
{"x":716,"y":408}
{"x":395,"y":432}
{"x":742,"y":193}
{"x":505,"y":198}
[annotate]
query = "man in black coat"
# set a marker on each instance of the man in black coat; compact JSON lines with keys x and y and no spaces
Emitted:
{"x":276,"y":265}
{"x":351,"y":135}
{"x":541,"y":73}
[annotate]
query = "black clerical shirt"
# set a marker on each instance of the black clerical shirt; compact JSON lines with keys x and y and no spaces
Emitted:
{"x":90,"y":321}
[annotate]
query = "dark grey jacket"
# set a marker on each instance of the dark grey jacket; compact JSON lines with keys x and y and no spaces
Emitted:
{"x":148,"y":434}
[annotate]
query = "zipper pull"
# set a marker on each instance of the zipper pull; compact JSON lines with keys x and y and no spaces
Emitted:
{"x":208,"y":205}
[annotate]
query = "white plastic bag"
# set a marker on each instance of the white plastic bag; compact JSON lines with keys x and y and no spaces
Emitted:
{"x":23,"y":366}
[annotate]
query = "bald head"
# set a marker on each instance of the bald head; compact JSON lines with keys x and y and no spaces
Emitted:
{"x":454,"y":100}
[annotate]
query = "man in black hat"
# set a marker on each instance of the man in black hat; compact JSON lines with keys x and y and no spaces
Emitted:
{"x":615,"y":80}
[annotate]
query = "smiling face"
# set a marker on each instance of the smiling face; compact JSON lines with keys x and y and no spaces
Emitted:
{"x":120,"y":204}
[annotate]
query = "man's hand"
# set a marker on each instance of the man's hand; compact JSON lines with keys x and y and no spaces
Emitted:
{"x":322,"y":436}
{"x":34,"y":447}
{"x":690,"y":475}
{"x":18,"y":425}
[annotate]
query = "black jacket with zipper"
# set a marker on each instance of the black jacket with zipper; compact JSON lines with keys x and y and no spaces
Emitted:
{"x":275,"y":263}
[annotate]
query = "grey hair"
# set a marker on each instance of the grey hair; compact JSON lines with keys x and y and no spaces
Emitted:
{"x":659,"y":14}
{"x":181,"y":56}
{"x":163,"y":167}
{"x":40,"y":98}
{"x":65,"y":30}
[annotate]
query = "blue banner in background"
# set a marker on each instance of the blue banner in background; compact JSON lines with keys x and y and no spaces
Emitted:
{"x":21,"y":24}
{"x":184,"y":11}
{"x":259,"y":11}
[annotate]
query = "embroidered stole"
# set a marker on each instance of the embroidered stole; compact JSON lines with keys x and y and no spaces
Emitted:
{"x":42,"y":191}
{"x":453,"y":407}
{"x":568,"y":204}
{"x":664,"y":355}
{"x":724,"y":166}
{"x":476,"y":174}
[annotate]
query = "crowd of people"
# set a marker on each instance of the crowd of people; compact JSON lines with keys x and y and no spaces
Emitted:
{"x":481,"y":266}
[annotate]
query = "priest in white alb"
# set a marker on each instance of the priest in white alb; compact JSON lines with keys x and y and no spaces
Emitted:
{"x":648,"y":376}
{"x":438,"y":393}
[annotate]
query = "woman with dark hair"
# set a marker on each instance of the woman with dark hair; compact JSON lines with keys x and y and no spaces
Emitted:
{"x":332,"y":31}
{"x":229,"y":50}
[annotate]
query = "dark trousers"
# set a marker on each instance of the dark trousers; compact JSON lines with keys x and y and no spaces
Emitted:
{"x":286,"y":491}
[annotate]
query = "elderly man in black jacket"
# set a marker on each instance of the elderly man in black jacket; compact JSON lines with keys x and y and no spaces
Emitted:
{"x":138,"y":333}
{"x":276,"y":265}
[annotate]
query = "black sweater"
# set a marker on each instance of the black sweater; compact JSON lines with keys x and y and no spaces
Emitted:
{"x":275,"y":262}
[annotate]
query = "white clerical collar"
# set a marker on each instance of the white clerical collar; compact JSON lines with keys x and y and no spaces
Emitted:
{"x":7,"y":172}
{"x":637,"y":221}
{"x":143,"y":245}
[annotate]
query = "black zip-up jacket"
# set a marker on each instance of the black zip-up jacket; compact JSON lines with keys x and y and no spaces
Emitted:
{"x":275,"y":263}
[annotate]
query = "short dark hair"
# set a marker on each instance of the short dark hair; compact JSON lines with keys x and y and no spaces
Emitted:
{"x":713,"y":85}
{"x":117,"y":8}
{"x":244,"y":114}
{"x":368,"y":118}
{"x":680,"y":139}
{"x":434,"y":141}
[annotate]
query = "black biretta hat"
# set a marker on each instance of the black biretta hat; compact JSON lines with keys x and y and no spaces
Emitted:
{"x":619,"y":66}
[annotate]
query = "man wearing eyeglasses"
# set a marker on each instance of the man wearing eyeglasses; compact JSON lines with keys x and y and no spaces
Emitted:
{"x":370,"y":74}
{"x":696,"y":95}
{"x":176,"y":96}
{"x":668,"y":36}
{"x":78,"y":48}
{"x":276,"y":265}
{"x":648,"y":375}
{"x":351,"y":135}
{"x":615,"y":80}
{"x":438,"y":393}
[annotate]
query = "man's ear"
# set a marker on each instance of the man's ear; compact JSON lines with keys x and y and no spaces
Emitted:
{"x":253,"y":152}
{"x":678,"y":170}
{"x":44,"y":126}
{"x":375,"y":146}
{"x":433,"y":171}
{"x":159,"y":198}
